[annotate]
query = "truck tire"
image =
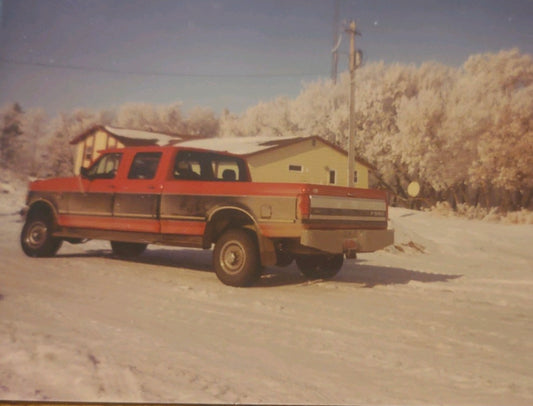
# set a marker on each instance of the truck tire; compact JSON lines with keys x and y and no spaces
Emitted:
{"x":236,"y":258}
{"x":320,"y":266}
{"x":127,"y":249}
{"x":283,"y":259}
{"x":36,"y":237}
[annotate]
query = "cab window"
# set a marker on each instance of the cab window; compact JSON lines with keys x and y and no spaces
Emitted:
{"x":208,"y":166}
{"x":106,"y":167}
{"x":144,"y":165}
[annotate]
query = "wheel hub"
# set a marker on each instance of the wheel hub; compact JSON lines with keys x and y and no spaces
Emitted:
{"x":233,"y":258}
{"x":36,"y":235}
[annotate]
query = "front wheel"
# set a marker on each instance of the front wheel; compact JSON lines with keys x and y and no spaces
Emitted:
{"x":36,"y":237}
{"x":127,"y":249}
{"x":236,"y":258}
{"x":320,"y":266}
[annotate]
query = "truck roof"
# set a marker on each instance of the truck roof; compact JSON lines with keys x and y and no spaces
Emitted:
{"x":156,"y":148}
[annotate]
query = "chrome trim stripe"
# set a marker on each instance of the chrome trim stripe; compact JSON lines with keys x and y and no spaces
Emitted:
{"x":180,"y":217}
{"x":135,"y":215}
{"x":348,"y":218}
{"x":327,"y":211}
{"x":85,"y":213}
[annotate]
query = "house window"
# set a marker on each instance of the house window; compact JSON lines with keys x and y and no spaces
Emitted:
{"x":295,"y":168}
{"x":332,"y":177}
{"x":354,"y":176}
{"x":88,"y":152}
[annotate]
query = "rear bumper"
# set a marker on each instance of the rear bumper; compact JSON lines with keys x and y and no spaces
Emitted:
{"x":346,"y":241}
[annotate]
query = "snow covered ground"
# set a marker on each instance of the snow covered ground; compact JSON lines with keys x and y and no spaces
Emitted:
{"x":445,"y":317}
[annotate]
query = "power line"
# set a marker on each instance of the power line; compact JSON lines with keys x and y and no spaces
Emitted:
{"x":155,"y":73}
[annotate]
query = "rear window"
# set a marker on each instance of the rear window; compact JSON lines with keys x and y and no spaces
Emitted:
{"x":208,"y":166}
{"x":144,"y":165}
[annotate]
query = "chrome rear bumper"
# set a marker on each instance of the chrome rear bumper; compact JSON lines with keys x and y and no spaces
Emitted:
{"x":346,"y":241}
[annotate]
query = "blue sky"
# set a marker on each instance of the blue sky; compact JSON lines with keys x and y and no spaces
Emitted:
{"x":66,"y":54}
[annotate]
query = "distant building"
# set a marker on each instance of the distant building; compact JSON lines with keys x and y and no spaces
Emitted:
{"x":296,"y":160}
{"x":271,"y":159}
{"x":98,"y":138}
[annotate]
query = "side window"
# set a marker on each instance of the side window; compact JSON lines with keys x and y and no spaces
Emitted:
{"x":208,"y":166}
{"x":106,"y":167}
{"x":144,"y":165}
{"x":226,"y":170}
{"x":188,"y":166}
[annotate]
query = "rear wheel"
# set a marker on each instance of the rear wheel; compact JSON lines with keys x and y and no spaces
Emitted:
{"x":236,"y":258}
{"x":36,"y":237}
{"x":320,"y":266}
{"x":128,"y":249}
{"x":283,"y":258}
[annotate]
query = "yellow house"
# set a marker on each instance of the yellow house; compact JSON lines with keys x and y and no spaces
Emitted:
{"x":296,"y":160}
{"x":91,"y":142}
{"x":271,"y":159}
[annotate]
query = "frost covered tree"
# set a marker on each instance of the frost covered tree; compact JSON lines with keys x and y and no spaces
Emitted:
{"x":10,"y":134}
{"x":202,"y":121}
{"x":465,"y":134}
{"x":34,"y":125}
{"x":421,"y":143}
{"x":313,"y":111}
{"x":502,"y":85}
{"x":58,"y":157}
{"x":488,"y":127}
{"x":166,"y":119}
{"x":266,"y":118}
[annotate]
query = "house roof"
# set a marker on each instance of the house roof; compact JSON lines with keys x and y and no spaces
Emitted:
{"x":245,"y":146}
{"x":236,"y":145}
{"x":131,"y":137}
{"x":251,"y":146}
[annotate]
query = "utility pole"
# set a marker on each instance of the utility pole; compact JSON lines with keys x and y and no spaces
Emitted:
{"x":351,"y":141}
{"x":336,"y":43}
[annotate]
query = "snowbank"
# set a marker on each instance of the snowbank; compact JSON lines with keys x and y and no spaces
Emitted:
{"x":12,"y":193}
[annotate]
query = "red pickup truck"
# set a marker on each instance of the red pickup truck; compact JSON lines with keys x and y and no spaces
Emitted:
{"x":187,"y":197}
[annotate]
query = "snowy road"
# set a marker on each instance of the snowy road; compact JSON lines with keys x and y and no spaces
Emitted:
{"x":446,"y":317}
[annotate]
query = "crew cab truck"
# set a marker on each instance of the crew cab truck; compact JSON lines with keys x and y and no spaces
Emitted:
{"x":186,"y":197}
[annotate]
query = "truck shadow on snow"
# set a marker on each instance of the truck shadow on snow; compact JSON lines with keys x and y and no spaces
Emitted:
{"x":371,"y":276}
{"x":353,"y":272}
{"x":368,"y":276}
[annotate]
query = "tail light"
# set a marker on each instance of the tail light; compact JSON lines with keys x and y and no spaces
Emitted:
{"x":304,"y":206}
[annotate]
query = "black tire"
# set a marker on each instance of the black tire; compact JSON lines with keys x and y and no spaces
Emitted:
{"x":283,"y":259}
{"x":36,"y":237}
{"x":320,"y":266}
{"x":128,"y":249}
{"x":236,"y":258}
